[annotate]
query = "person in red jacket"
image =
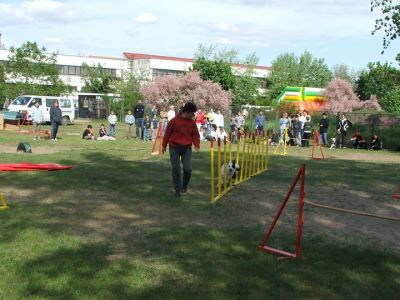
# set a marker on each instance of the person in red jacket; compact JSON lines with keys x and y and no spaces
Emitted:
{"x":200,"y":119}
{"x":180,"y":134}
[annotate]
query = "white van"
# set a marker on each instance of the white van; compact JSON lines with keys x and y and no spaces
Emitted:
{"x":24,"y":103}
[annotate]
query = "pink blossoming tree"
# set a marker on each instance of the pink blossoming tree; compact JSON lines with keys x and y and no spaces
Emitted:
{"x":175,"y":90}
{"x":340,"y":97}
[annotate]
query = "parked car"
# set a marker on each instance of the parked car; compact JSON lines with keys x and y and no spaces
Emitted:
{"x":24,"y":103}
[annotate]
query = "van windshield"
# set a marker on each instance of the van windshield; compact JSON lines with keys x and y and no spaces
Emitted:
{"x":21,"y":100}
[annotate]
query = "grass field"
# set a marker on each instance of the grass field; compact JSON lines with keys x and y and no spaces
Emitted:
{"x":111,"y":227}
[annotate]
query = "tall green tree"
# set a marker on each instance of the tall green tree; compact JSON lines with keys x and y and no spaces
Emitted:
{"x":30,"y":70}
{"x":389,"y":22}
{"x":379,"y":80}
{"x":343,"y":71}
{"x":129,"y":90}
{"x":306,"y":70}
{"x":218,"y":67}
{"x":98,"y":80}
{"x":217,"y":71}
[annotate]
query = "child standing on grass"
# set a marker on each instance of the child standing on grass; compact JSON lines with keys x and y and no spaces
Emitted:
{"x":129,"y":121}
{"x":154,"y":127}
{"x":147,"y":129}
{"x":323,"y":129}
{"x":112,"y":121}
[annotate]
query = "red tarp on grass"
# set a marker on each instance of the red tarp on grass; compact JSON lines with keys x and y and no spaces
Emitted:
{"x":32,"y":167}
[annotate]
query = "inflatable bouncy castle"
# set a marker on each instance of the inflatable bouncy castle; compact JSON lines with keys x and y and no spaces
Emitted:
{"x":304,"y":98}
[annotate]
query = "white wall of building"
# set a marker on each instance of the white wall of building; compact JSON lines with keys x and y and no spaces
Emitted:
{"x":147,"y":68}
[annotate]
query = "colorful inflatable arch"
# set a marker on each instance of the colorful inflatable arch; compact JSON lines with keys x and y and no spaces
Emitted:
{"x":304,"y":98}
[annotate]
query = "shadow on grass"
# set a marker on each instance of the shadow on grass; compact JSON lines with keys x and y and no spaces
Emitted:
{"x":143,"y":252}
{"x":200,"y":263}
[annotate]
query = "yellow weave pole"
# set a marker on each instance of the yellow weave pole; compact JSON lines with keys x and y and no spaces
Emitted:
{"x":219,"y":167}
{"x":286,"y":138}
{"x":225,"y":166}
{"x":254,"y":154}
{"x":247,"y":157}
{"x":212,"y":171}
{"x":266,"y":155}
{"x":237,"y":159}
{"x":251,"y":142}
{"x":278,"y":146}
{"x":253,"y":147}
{"x":3,"y":201}
{"x":242,"y":173}
{"x":259,"y":148}
{"x":283,"y":144}
{"x":230,"y":157}
{"x":262,"y":153}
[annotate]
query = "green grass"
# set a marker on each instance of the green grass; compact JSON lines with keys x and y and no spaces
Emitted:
{"x":111,"y":228}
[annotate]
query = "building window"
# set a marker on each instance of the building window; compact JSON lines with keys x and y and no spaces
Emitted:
{"x":163,"y":72}
{"x":71,"y":70}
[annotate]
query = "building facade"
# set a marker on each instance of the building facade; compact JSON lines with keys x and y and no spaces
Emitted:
{"x":146,"y":66}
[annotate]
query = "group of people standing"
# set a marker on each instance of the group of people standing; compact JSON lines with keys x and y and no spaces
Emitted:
{"x":37,"y":119}
{"x":299,"y":129}
{"x":142,"y":125}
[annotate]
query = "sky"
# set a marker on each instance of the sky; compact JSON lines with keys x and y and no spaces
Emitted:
{"x":338,"y":31}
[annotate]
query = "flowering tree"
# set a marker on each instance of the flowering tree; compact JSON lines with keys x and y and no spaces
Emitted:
{"x":340,"y":97}
{"x":372,"y":103}
{"x":205,"y":93}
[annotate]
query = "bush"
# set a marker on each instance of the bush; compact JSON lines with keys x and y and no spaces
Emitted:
{"x":391,"y":102}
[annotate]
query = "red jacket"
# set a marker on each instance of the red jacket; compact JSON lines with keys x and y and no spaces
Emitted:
{"x":181,"y":131}
{"x":200,"y":118}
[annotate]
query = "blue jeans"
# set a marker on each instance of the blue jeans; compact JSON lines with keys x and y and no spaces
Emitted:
{"x":113,"y":130}
{"x":54,"y":129}
{"x":177,"y":156}
{"x":323,"y":138}
{"x":139,"y":125}
{"x":146,"y":134}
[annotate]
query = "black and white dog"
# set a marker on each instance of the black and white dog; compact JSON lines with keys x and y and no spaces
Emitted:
{"x":230,"y":168}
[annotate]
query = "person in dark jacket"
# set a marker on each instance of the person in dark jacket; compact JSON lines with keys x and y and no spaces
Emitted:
{"x":55,"y":119}
{"x":343,"y":127}
{"x":138,"y":112}
{"x":323,"y":130}
{"x":180,"y":134}
{"x":376,"y":143}
{"x":307,"y":130}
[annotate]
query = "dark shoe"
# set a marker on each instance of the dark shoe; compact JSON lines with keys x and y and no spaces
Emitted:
{"x":183,"y":190}
{"x":177,"y":194}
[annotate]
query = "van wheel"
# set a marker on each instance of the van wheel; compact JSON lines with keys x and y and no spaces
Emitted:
{"x":64,"y":121}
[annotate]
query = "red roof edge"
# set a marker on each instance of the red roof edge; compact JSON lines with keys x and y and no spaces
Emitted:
{"x":134,"y":56}
{"x":151,"y":56}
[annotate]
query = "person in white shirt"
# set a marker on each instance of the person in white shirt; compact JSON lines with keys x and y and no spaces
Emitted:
{"x":171,"y":113}
{"x":219,"y":119}
{"x":112,"y":121}
{"x":222,"y":134}
{"x":129,"y":121}
{"x":302,"y":120}
{"x":37,"y":119}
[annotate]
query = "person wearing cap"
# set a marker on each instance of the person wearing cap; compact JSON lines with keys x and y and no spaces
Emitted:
{"x":180,"y":134}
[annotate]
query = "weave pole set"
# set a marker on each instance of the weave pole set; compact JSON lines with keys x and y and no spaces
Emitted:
{"x":249,"y":159}
{"x":281,"y":147}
